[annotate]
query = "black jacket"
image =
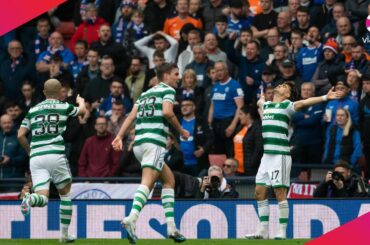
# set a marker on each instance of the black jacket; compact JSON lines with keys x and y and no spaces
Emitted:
{"x":97,"y":88}
{"x":203,"y":136}
{"x":346,"y":145}
{"x":117,"y":52}
{"x":154,"y":16}
{"x":174,"y":159}
{"x":82,"y":80}
{"x":351,"y":189}
{"x":75,"y":135}
{"x":253,"y":148}
{"x":365,"y":119}
{"x":326,"y":74}
{"x":149,"y":74}
{"x":187,"y":186}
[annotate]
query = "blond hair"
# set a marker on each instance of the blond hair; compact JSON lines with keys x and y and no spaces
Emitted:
{"x":348,"y":124}
{"x":189,"y":72}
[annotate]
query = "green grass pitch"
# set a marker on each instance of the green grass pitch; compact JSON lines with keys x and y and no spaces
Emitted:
{"x":161,"y":242}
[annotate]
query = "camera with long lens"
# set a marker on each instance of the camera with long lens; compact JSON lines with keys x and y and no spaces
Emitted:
{"x":337,"y":176}
{"x":213,"y":189}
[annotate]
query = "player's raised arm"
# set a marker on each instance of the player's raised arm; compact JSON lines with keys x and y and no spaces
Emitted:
{"x":331,"y":95}
{"x":81,"y":105}
{"x":261,"y":100}
{"x":117,"y":142}
{"x":167,"y":110}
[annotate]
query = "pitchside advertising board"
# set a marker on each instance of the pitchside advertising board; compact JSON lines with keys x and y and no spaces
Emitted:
{"x":196,"y":219}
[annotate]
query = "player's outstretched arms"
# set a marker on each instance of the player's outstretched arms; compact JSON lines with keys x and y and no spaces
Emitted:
{"x":331,"y":95}
{"x":117,"y":142}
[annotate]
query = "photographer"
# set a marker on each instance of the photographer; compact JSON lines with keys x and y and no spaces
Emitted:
{"x":341,"y":182}
{"x":215,"y":185}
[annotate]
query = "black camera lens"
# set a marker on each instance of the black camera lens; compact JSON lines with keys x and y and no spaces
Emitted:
{"x":215,"y":181}
{"x":337,"y":176}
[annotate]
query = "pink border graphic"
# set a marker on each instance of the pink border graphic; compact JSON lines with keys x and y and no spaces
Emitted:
{"x":354,"y":232}
{"x":16,"y":13}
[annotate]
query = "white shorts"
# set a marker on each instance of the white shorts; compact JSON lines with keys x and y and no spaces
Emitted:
{"x":51,"y":167}
{"x":274,"y":171}
{"x":150,"y":155}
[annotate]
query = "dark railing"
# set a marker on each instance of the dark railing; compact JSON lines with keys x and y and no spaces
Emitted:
{"x":244,"y":185}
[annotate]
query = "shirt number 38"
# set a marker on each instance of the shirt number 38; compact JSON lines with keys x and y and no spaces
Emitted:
{"x":47,"y":124}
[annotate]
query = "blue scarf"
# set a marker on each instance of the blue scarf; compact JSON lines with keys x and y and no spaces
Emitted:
{"x":38,"y":42}
{"x":120,"y":29}
{"x":15,"y":63}
{"x":139,"y":30}
{"x":50,"y":52}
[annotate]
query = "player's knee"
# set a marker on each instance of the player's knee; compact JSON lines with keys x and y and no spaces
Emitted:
{"x":260,"y":193}
{"x":280,"y":194}
{"x":65,"y":190}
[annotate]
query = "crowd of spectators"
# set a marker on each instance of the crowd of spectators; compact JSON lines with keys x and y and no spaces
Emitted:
{"x":228,"y":52}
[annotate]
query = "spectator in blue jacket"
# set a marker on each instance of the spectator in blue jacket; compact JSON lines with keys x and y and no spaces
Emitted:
{"x":307,"y":136}
{"x":13,"y":158}
{"x":16,"y":68}
{"x":343,"y":101}
{"x":55,"y":48}
{"x":309,"y":57}
{"x":343,"y":140}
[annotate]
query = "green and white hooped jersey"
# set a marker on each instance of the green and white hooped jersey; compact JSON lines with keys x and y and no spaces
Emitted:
{"x":151,"y":126}
{"x":47,"y":121}
{"x":275,"y":124}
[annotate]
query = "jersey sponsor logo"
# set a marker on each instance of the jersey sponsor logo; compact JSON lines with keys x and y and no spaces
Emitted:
{"x":219,"y":96}
{"x":268,"y":117}
{"x":309,"y":60}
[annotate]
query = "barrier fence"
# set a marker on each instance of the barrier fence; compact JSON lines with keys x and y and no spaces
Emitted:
{"x":196,"y":219}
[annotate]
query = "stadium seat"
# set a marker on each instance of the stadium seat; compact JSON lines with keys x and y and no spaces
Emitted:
{"x":67,"y":28}
{"x":318,"y":174}
{"x":217,"y":159}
